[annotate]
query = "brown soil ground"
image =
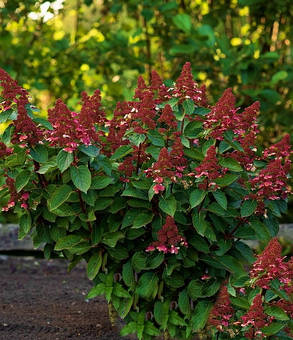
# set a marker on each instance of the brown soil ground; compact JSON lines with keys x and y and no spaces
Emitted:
{"x":40,"y":300}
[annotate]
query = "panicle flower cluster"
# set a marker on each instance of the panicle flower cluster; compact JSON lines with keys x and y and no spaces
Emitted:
{"x":256,"y":319}
{"x":91,"y":114}
{"x":209,"y":169}
{"x":222,"y":311}
{"x":169,"y":241}
{"x":15,"y":197}
{"x":270,"y":183}
{"x":72,"y":129}
{"x":282,"y":149}
{"x":26,"y":131}
{"x":168,"y":117}
{"x":187,"y":88}
{"x":270,"y":265}
{"x":4,"y":150}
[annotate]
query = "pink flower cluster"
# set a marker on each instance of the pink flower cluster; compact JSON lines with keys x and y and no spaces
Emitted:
{"x":270,"y":265}
{"x":15,"y":197}
{"x":256,"y":319}
{"x":26,"y":131}
{"x":169,"y":241}
{"x":222,"y":311}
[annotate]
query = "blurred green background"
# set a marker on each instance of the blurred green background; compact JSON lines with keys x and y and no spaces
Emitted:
{"x":60,"y":48}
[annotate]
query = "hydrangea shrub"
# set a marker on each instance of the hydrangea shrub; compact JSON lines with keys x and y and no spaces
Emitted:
{"x":158,"y":201}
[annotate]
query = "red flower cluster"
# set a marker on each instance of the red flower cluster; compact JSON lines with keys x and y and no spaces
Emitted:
{"x":26,"y":131}
{"x":222,"y":312}
{"x":169,"y":241}
{"x":14,"y":195}
{"x":270,"y":265}
{"x":282,"y":149}
{"x":72,"y":129}
{"x":256,"y":319}
{"x":168,"y":117}
{"x":271,"y":183}
{"x":187,"y":88}
{"x":209,"y":169}
{"x":4,"y":150}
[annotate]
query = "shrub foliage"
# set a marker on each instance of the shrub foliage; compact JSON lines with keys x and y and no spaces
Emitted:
{"x":157,"y":201}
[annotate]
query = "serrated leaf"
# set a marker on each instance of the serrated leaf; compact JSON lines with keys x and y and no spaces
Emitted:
{"x":200,"y":315}
{"x":22,"y":180}
{"x":277,"y":312}
{"x":147,"y":285}
{"x":63,"y":160}
{"x":111,"y":239}
{"x":142,"y":219}
{"x":128,"y":275}
{"x":25,"y":224}
{"x":183,"y":302}
{"x":99,"y":289}
{"x":196,"y":197}
{"x":273,"y":328}
{"x":261,"y":230}
{"x":39,"y":153}
{"x":59,"y":196}
{"x":231,"y":164}
{"x":121,"y":152}
{"x":194,"y":289}
{"x":226,"y":180}
{"x":221,"y":198}
{"x":89,"y":150}
{"x":248,"y":208}
{"x":161,"y":313}
{"x":156,"y":138}
{"x":81,"y":177}
{"x":188,"y":106}
{"x":168,"y":205}
{"x":94,"y":265}
{"x":68,"y":242}
{"x":101,"y":182}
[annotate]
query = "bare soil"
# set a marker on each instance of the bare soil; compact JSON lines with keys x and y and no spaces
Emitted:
{"x":40,"y":300}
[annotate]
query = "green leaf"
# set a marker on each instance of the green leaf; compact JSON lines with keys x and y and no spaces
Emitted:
{"x":193,"y":129}
{"x":25,"y":224}
{"x":59,"y":196}
{"x":22,"y":180}
{"x":102,"y":203}
{"x":168,"y":205}
{"x":94,"y":265}
{"x":63,"y":160}
{"x":81,"y":177}
{"x":119,"y":291}
{"x":68,"y":242}
{"x":99,"y":289}
{"x":231,"y":164}
{"x":188,"y":106}
{"x":142,"y":219}
{"x":156,"y":138}
{"x":281,"y":75}
{"x":155,"y":260}
{"x":261,"y":230}
{"x":43,"y":122}
{"x":194,"y":289}
{"x":101,"y":182}
{"x":46,"y":167}
{"x":89,"y":150}
{"x":161,"y":313}
{"x":147,"y":285}
{"x":133,"y":192}
{"x":139,"y":261}
{"x":277,"y":313}
{"x":175,"y":319}
{"x":39,"y":153}
{"x":130,"y":328}
{"x":183,"y":302}
{"x":226,"y":180}
{"x":183,"y":22}
{"x":221,"y":198}
{"x":273,"y":328}
{"x":150,"y":329}
{"x":121,"y":152}
{"x":196,"y":197}
{"x":111,"y":239}
{"x":128,"y":275}
{"x":248,"y":208}
{"x":240,"y":302}
{"x":200,"y":315}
